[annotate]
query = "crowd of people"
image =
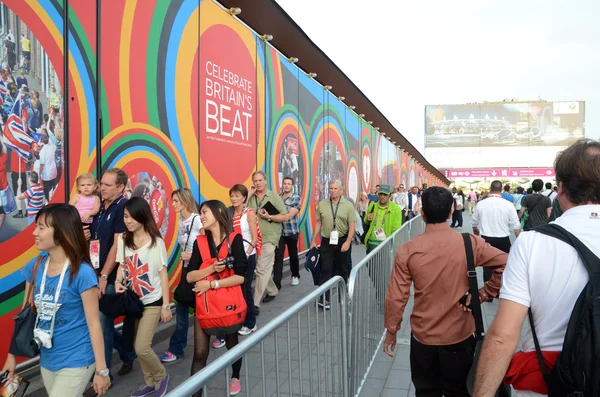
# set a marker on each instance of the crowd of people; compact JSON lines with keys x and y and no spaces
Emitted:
{"x":548,"y":275}
{"x":107,"y":254}
{"x":127,"y":257}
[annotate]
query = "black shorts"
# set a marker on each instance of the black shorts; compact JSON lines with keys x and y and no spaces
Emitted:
{"x":27,"y":55}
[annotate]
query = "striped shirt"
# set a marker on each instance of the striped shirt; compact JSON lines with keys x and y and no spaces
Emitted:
{"x":35,"y":199}
{"x":241,"y":226}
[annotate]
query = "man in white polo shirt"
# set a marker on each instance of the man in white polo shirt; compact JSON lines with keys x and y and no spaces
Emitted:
{"x":493,"y":220}
{"x":546,"y":275}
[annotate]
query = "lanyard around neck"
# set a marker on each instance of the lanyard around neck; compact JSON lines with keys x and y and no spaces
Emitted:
{"x":101,"y":215}
{"x":56,"y":294}
{"x":334,"y":213}
{"x":384,"y":215}
{"x":259,"y":203}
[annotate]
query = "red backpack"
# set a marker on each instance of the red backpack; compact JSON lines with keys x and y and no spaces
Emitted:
{"x":220,"y":311}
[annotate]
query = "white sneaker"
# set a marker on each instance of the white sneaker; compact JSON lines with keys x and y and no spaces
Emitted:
{"x":295,"y":281}
{"x":247,"y":331}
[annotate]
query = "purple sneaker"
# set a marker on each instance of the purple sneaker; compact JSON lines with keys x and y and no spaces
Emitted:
{"x":143,"y":391}
{"x":161,"y":387}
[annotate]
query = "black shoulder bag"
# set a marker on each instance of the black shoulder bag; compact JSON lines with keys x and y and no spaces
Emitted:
{"x":503,"y":390}
{"x":20,"y":344}
{"x":184,"y":293}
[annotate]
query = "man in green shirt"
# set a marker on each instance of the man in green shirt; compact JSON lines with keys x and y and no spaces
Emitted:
{"x":383,"y":218}
{"x":270,"y":227}
{"x":336,"y":221}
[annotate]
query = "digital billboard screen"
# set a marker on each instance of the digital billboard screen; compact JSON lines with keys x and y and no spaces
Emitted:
{"x":501,"y":134}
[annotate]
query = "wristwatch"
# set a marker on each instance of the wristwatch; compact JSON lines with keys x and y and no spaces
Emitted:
{"x":216,"y":284}
{"x":270,"y":219}
{"x":166,"y":306}
{"x":104,"y":373}
{"x":104,"y":277}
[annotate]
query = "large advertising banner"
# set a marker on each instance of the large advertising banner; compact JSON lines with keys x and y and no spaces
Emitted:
{"x":506,"y":134}
{"x":353,"y":186}
{"x":366,"y":156}
{"x":230,"y":113}
{"x":189,"y":98}
{"x":286,"y":139}
{"x":404,"y":171}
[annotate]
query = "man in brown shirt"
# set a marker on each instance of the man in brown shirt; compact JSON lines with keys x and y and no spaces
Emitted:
{"x":442,"y":342}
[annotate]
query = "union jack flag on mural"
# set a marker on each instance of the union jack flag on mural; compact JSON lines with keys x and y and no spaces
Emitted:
{"x":136,"y":275}
{"x":15,"y":134}
{"x":3,"y":88}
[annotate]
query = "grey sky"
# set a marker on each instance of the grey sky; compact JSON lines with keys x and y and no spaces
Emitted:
{"x":406,"y":54}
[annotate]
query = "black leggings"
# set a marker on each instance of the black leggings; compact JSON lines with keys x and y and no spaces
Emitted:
{"x":457,"y":218}
{"x":202,"y":348}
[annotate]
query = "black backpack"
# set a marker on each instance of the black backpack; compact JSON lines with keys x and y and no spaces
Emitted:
{"x":577,"y":369}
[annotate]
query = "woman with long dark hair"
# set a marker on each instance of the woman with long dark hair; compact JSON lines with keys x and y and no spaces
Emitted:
{"x":217,"y":227}
{"x":143,"y":257}
{"x":66,"y":297}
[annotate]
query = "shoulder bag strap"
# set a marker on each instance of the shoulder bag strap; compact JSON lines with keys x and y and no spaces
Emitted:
{"x":190,"y":232}
{"x":474,"y":289}
{"x":123,"y":265}
{"x":29,"y":295}
{"x":538,"y":350}
{"x":202,"y":241}
{"x":589,"y":259}
{"x":536,"y":203}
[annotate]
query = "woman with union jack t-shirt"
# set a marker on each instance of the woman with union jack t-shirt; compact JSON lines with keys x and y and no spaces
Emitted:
{"x":143,"y":255}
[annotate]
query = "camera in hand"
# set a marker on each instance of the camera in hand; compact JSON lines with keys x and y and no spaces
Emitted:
{"x":229,"y":262}
{"x":41,"y":339}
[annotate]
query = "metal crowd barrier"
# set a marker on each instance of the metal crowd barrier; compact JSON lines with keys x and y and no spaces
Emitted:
{"x":301,"y":352}
{"x":309,"y":351}
{"x":32,"y":365}
{"x":367,"y":285}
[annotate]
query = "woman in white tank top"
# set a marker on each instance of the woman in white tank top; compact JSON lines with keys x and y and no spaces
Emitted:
{"x":246,"y":223}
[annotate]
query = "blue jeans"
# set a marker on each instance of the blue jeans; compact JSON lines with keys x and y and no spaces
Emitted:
{"x":250,"y":321}
{"x":179,"y":338}
{"x":112,"y":337}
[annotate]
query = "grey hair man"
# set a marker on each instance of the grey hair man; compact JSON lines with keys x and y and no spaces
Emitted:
{"x":336,"y":222}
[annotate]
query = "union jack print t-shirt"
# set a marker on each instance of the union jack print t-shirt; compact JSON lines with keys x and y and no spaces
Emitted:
{"x":141,"y":268}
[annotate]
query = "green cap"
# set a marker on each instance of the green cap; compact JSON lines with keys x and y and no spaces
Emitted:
{"x":385,"y":189}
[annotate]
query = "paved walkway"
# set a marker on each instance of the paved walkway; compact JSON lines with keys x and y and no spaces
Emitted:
{"x":391,"y":376}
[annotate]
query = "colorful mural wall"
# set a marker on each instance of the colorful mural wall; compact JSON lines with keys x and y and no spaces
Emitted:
{"x":192,"y":98}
